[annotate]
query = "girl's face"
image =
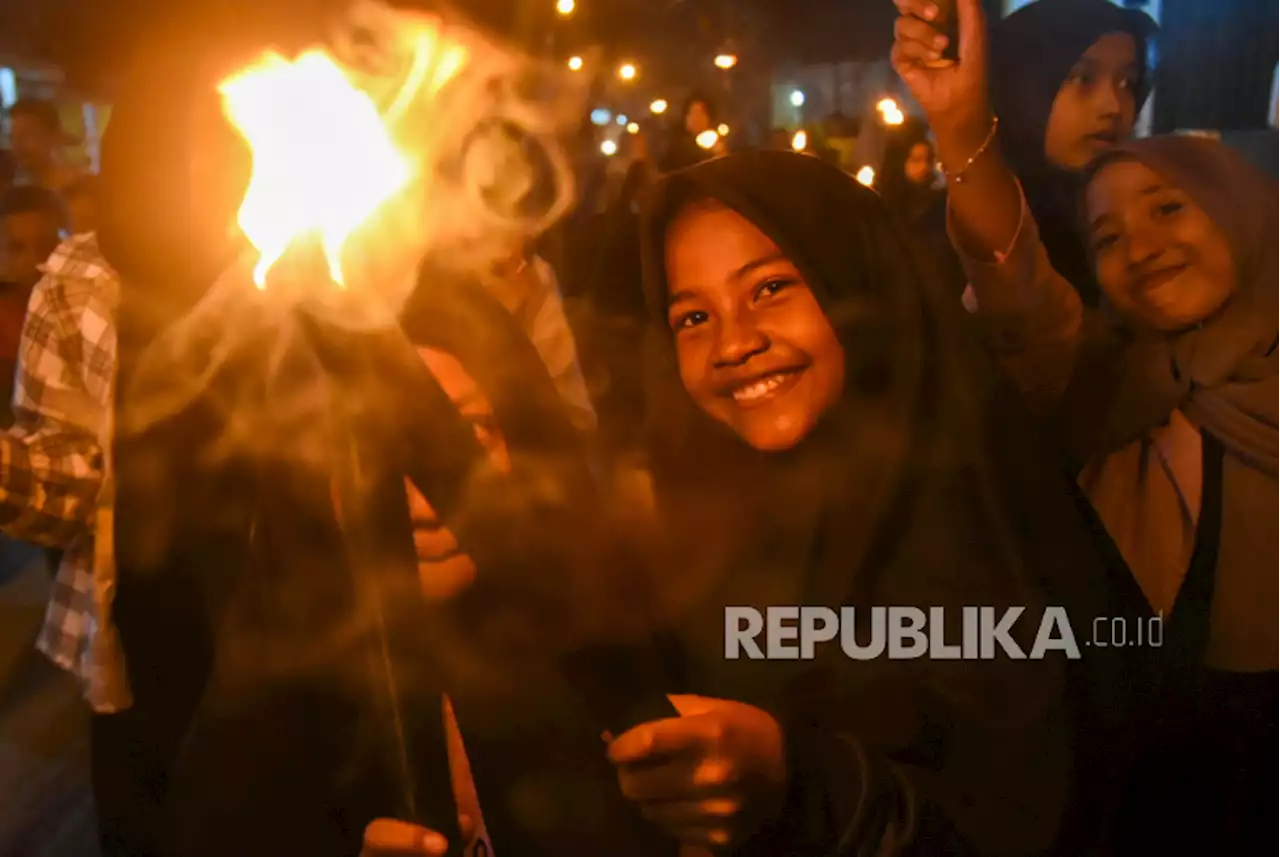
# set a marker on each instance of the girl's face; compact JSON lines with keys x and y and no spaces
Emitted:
{"x":919,"y":166}
{"x":1160,"y":260}
{"x":1095,"y":107}
{"x":756,"y":351}
{"x":697,"y":119}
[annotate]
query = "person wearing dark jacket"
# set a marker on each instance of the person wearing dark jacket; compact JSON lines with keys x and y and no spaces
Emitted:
{"x":824,"y":436}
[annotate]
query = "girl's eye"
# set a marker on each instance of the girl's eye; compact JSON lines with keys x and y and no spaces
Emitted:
{"x":689,"y":320}
{"x":1102,"y":242}
{"x":772,"y":287}
{"x":1169,"y":208}
{"x":1080,"y":78}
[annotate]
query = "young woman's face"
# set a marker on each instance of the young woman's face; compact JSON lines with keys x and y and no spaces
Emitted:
{"x":756,"y":352}
{"x":1160,"y":260}
{"x":1096,"y":106}
{"x":697,"y":119}
{"x":919,"y":166}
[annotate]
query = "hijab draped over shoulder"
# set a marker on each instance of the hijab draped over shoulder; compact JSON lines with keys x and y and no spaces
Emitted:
{"x":1221,"y":374}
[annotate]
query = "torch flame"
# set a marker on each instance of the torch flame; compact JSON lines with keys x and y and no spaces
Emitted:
{"x":324,"y":155}
{"x":322,"y":159}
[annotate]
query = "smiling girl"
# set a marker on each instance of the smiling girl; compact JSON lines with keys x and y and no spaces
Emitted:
{"x":823,"y":435}
{"x":1170,"y":401}
{"x":1182,"y":445}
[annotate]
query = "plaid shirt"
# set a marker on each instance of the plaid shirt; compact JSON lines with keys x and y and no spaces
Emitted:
{"x":56,"y":487}
{"x":55,"y":482}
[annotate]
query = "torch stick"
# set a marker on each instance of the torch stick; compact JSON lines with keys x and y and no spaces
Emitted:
{"x":618,"y":683}
{"x":399,"y":410}
{"x":378,"y":536}
{"x":369,"y":597}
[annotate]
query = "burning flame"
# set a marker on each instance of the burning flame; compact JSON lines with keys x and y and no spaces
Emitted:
{"x":399,"y":140}
{"x":324,"y":155}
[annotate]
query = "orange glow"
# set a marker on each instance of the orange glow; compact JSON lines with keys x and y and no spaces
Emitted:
{"x":324,"y":155}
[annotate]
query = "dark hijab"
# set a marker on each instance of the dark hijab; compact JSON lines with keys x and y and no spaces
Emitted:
{"x":923,"y":485}
{"x":1032,"y":52}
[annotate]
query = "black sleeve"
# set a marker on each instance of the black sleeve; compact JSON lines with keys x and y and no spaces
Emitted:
{"x":974,"y":791}
{"x":893,"y":758}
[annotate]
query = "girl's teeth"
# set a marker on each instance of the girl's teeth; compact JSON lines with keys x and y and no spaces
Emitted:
{"x":758,"y":389}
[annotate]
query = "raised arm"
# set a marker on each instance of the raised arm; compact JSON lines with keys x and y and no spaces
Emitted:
{"x":1030,"y":316}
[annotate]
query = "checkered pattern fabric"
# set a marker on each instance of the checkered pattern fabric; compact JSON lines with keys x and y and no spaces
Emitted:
{"x":55,"y":482}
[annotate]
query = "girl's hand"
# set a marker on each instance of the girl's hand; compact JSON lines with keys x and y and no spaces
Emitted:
{"x":386,"y":837}
{"x":711,"y":777}
{"x":953,"y":96}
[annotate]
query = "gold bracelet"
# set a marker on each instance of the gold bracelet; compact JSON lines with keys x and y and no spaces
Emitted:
{"x":958,"y":176}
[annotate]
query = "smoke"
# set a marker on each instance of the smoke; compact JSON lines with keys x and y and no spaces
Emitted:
{"x":480,"y":126}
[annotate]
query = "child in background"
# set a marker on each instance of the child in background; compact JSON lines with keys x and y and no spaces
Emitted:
{"x":36,"y":131}
{"x":31,"y":221}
